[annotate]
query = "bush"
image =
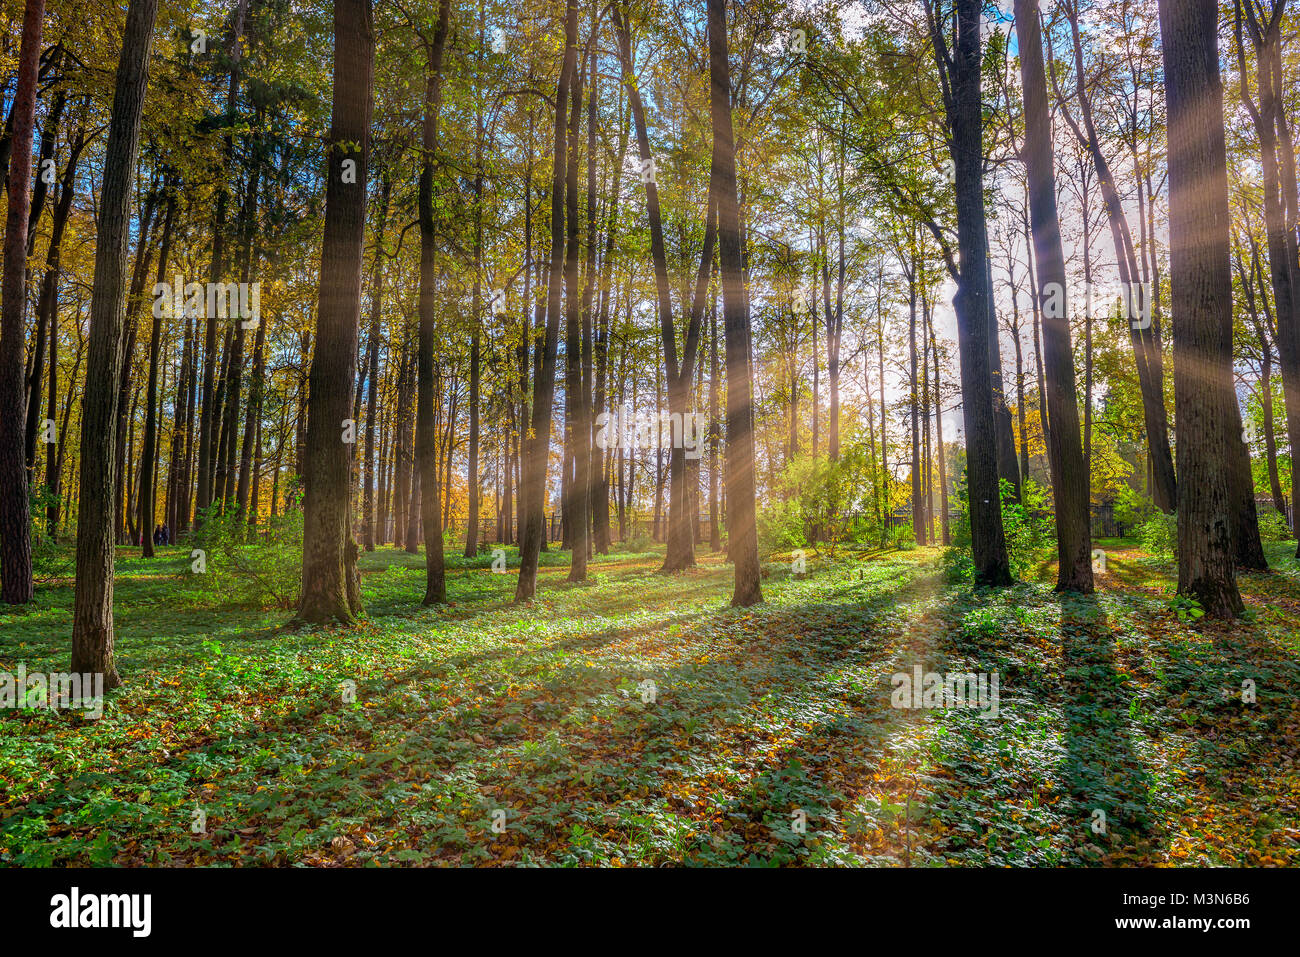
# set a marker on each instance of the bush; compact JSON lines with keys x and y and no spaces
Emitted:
{"x":1159,"y":535}
{"x":958,"y":566}
{"x":1132,"y":509}
{"x":780,"y":527}
{"x":820,"y":500}
{"x":240,"y":567}
{"x":638,"y":542}
{"x":1272,"y":525}
{"x":1028,"y":525}
{"x":52,"y":562}
{"x":904,"y":537}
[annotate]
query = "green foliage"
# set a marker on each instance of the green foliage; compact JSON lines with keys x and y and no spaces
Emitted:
{"x":818,"y":498}
{"x":236,"y":566}
{"x":51,"y":562}
{"x":1132,"y":508}
{"x":1028,"y":525}
{"x":1273,"y":526}
{"x":903,"y":537}
{"x":459,"y":711}
{"x":1186,"y":608}
{"x":780,"y":527}
{"x":638,"y":542}
{"x":958,"y":566}
{"x":1159,"y":536}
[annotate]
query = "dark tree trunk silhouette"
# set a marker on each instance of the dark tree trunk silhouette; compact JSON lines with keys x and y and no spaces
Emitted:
{"x":209,"y":410}
{"x":680,"y":553}
{"x":15,"y":517}
{"x":962,"y":103}
{"x":1284,"y":271}
{"x":372,"y":373}
{"x":149,"y":452}
{"x":1143,"y":327}
{"x":575,"y":399}
{"x":37,"y":364}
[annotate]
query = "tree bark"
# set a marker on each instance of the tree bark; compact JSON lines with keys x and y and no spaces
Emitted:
{"x":15,"y":516}
{"x":426,"y":451}
{"x":92,"y":623}
{"x":742,"y":528}
{"x":537,"y":446}
{"x":372,"y":370}
{"x":329,"y":591}
{"x":149,"y":453}
{"x":1201,"y":280}
{"x":1065,"y":454}
{"x":1145,"y":336}
{"x":972,"y":302}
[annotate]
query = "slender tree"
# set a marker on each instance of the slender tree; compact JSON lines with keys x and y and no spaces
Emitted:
{"x":15,"y":515}
{"x":742,"y":528}
{"x":537,"y":446}
{"x":426,"y":451}
{"x":1065,"y":452}
{"x":149,"y":453}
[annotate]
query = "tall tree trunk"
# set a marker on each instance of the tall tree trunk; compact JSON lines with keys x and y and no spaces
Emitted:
{"x":92,"y":622}
{"x":15,"y":517}
{"x":972,"y":302}
{"x":372,"y":369}
{"x":835,"y":317}
{"x":1201,"y":280}
{"x":1021,"y":415}
{"x":426,"y":451}
{"x":742,"y":528}
{"x":715,"y":428}
{"x":576,"y":499}
{"x":537,"y":447}
{"x":1064,"y":452}
{"x":471,"y":531}
{"x":1008,"y":465}
{"x":330,"y":591}
{"x":402,"y":444}
{"x":1284,"y":271}
{"x":1036,"y":301}
{"x":48,"y":304}
{"x":209,"y":421}
{"x":680,"y":553}
{"x":250,"y":449}
{"x":918,"y":526}
{"x":1145,"y":335}
{"x":938,"y":421}
{"x":149,"y":454}
{"x":37,"y":372}
{"x":590,"y":461}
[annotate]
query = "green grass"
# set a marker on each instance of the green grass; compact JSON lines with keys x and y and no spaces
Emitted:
{"x":540,"y":716}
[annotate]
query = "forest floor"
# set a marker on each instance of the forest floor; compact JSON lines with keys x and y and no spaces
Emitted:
{"x":489,"y":733}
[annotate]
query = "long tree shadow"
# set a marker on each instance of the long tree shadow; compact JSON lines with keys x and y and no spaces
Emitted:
{"x":1108,"y":781}
{"x":1022,"y":789}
